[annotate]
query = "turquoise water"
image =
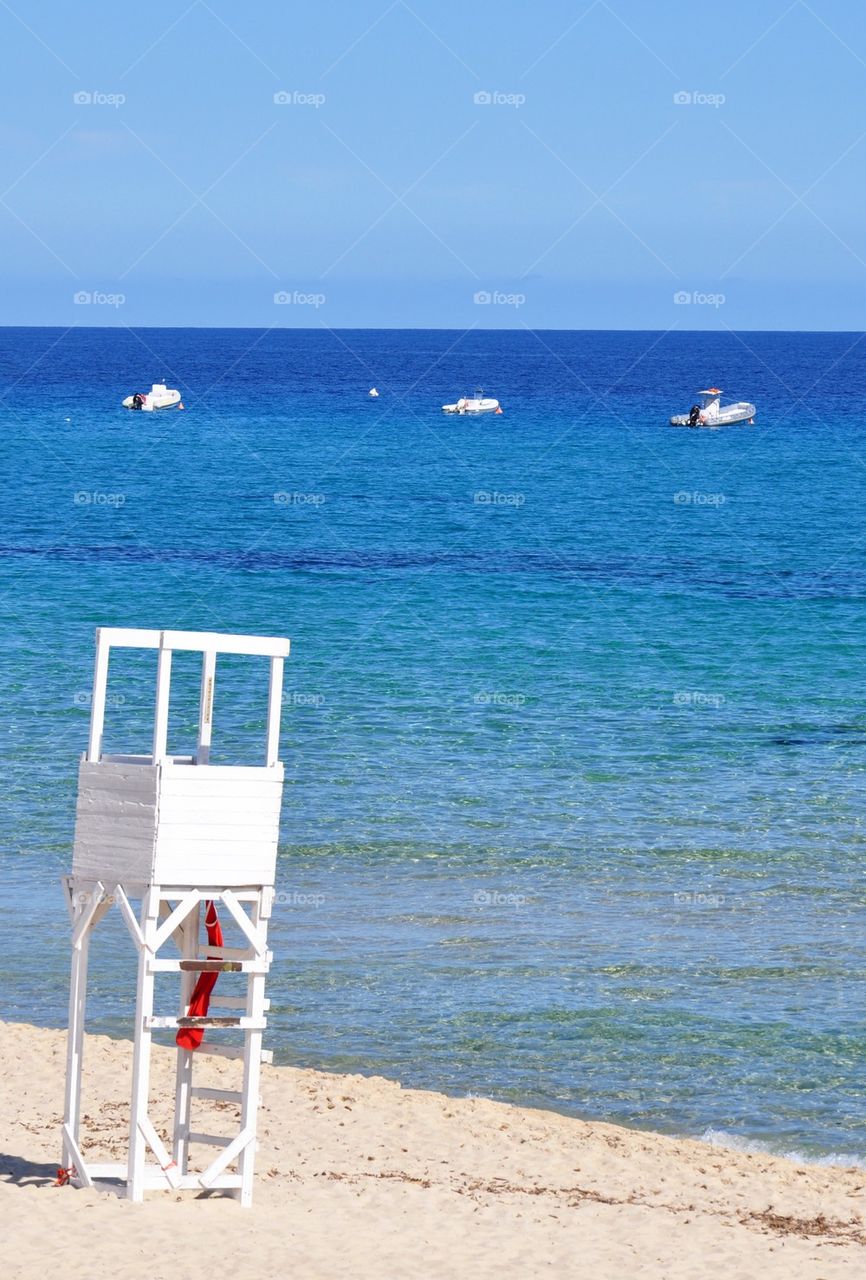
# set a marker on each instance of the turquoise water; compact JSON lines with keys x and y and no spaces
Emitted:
{"x":574,"y":728}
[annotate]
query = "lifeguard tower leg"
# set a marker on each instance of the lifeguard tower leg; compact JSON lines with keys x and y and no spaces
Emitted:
{"x":183,"y":1076}
{"x":87,"y":907}
{"x":256,"y":1008}
{"x":75,"y":1046}
{"x":143,"y":1038}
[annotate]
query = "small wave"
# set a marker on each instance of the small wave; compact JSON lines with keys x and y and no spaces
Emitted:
{"x":753,"y":1146}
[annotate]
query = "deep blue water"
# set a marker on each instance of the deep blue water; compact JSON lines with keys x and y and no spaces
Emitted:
{"x":574,"y":726}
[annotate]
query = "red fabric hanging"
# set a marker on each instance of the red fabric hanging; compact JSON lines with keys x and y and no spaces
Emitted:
{"x":191,"y":1037}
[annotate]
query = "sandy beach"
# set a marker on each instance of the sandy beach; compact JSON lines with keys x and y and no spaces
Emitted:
{"x":359,"y":1177}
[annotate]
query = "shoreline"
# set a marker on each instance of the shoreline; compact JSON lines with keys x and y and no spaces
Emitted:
{"x":712,"y":1138}
{"x":357,"y":1176}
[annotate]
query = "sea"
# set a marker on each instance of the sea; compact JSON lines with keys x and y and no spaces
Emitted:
{"x":574,"y":724}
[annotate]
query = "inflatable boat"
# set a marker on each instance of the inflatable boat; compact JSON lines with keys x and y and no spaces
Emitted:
{"x":159,"y":397}
{"x":708,"y":411}
{"x":479,"y":403}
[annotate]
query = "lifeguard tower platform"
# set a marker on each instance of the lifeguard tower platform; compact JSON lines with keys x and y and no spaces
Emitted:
{"x":174,"y":841}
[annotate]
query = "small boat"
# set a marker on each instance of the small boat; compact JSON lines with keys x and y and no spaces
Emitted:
{"x":709,"y":412}
{"x":373,"y":392}
{"x":159,"y":397}
{"x":479,"y":403}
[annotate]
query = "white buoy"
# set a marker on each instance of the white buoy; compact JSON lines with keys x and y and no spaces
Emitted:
{"x":373,"y":392}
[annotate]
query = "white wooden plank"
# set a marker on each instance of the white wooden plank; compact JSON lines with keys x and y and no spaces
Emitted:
{"x":216,"y":1095}
{"x":88,"y":912}
{"x":193,"y":866}
{"x":257,"y":938}
{"x":141,"y":1050}
{"x":129,"y":758}
{"x":234,"y":1002}
{"x":97,"y":699}
{"x":66,"y":882}
{"x":225,"y":953}
{"x":207,"y":818}
{"x":173,"y":966}
{"x":96,"y":825}
{"x":195,"y":838}
{"x":275,"y":706}
{"x":163,"y":696}
{"x":211,"y":1139}
{"x":130,"y":862}
{"x":236,"y":809}
{"x":261,"y":646}
{"x":160,"y":1022}
{"x":167,"y":1166}
{"x":128,"y":915}
{"x":128,"y":637}
{"x":175,"y":918}
{"x":108,"y":1170}
{"x":231,"y":1153}
{"x":175,"y":768}
{"x":209,"y":784}
{"x":81,"y":1171}
{"x":205,"y":708}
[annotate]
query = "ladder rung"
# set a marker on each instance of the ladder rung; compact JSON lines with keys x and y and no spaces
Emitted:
{"x":245,"y":1024}
{"x":210,"y":1139}
{"x":112,"y":1170}
{"x":235,"y":1002}
{"x":216,"y":1095}
{"x":206,"y":966}
{"x":231,"y":1051}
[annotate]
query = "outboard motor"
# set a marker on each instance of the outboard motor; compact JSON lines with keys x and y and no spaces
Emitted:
{"x":137,"y":401}
{"x":694,"y":415}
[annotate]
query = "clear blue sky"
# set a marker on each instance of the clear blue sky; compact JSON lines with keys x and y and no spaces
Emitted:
{"x":582,"y":195}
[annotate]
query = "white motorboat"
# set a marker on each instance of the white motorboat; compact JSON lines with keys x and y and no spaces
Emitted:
{"x":708,"y":411}
{"x":159,"y":397}
{"x":479,"y":403}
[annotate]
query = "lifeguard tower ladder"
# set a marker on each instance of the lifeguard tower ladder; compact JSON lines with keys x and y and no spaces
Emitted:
{"x":175,"y":832}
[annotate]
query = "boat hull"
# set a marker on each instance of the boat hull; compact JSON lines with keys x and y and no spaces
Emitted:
{"x":470,"y":406}
{"x":727,"y":417}
{"x":151,"y":402}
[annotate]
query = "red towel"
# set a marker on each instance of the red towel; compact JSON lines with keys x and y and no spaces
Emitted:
{"x":191,"y":1037}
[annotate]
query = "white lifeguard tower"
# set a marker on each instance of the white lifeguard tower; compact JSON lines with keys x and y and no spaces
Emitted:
{"x":173,"y":833}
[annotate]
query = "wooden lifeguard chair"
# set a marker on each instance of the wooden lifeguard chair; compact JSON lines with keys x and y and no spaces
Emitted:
{"x":173,"y":833}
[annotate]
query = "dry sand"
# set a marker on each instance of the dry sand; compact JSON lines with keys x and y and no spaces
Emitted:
{"x":360,"y":1178}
